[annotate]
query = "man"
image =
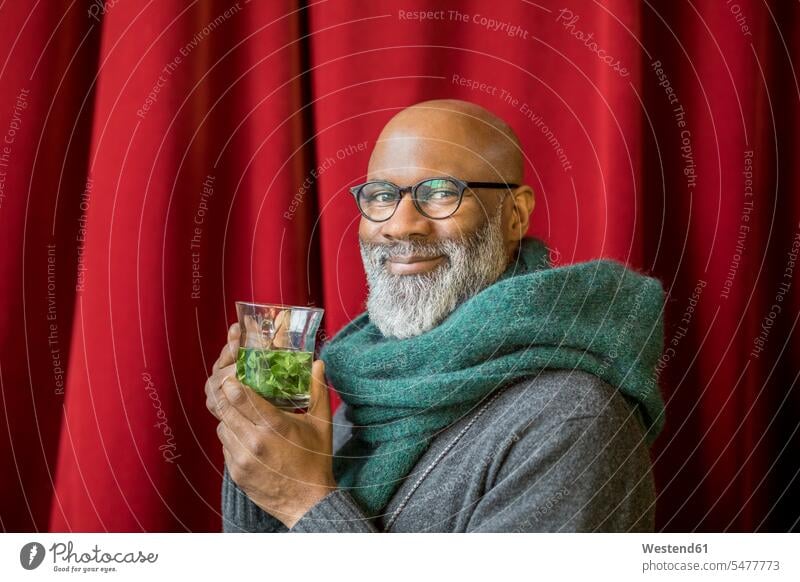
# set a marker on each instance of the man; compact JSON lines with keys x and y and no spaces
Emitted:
{"x":483,"y":389}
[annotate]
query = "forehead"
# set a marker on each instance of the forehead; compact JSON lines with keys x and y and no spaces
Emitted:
{"x":407,"y":159}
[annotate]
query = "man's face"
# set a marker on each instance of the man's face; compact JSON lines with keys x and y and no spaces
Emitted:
{"x":420,"y":269}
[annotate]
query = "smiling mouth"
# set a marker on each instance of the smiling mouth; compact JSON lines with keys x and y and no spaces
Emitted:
{"x":412,"y":259}
{"x":413,"y":264}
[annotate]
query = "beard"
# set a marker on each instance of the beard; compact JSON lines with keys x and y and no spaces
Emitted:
{"x":404,"y":306}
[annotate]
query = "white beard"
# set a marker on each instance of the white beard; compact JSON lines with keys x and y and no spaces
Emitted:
{"x":404,"y":306}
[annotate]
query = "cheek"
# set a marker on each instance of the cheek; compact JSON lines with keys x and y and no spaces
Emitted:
{"x":367,"y":230}
{"x":460,"y":227}
{"x":457,"y":227}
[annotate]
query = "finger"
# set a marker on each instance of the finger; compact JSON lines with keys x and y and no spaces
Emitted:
{"x":230,"y":415}
{"x":234,"y":332}
{"x":213,"y":387}
{"x":251,"y":406}
{"x":320,"y":409}
{"x":228,"y":355}
{"x":253,"y":328}
{"x":232,"y":443}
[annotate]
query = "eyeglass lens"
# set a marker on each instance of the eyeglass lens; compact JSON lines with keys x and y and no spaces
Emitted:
{"x":436,"y":198}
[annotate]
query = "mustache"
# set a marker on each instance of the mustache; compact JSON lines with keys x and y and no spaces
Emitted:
{"x":382,"y":252}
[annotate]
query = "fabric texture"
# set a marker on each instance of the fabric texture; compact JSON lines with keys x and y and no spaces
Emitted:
{"x":597,"y":316}
{"x":559,"y":451}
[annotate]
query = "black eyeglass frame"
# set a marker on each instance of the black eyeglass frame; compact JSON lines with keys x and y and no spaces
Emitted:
{"x":356,"y":191}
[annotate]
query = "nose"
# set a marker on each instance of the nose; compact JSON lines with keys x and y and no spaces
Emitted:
{"x":407,"y":222}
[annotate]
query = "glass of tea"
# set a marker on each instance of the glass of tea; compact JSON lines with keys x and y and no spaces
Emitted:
{"x":276,"y":349}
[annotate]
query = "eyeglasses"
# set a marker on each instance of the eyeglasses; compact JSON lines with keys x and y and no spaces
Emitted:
{"x":435,"y":198}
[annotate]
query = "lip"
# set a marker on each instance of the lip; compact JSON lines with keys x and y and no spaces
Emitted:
{"x":413,"y":264}
{"x":412,"y":259}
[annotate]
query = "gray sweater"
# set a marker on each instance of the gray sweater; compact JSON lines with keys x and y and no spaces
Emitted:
{"x":562,"y":451}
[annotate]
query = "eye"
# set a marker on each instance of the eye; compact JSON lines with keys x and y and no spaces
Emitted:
{"x":378,"y":194}
{"x":382,"y":196}
{"x":438,"y":191}
{"x":442,"y":194}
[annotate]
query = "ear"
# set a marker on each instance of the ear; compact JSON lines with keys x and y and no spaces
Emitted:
{"x":523,"y":202}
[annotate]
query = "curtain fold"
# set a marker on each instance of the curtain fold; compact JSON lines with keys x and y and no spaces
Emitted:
{"x":161,"y":160}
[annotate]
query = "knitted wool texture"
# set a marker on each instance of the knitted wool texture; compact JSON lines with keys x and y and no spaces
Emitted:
{"x":597,"y":316}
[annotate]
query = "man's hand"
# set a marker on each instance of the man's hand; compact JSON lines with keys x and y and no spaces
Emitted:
{"x":224,"y":367}
{"x":281,"y":460}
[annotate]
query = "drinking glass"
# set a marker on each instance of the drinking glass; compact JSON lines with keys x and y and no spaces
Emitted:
{"x":276,"y":349}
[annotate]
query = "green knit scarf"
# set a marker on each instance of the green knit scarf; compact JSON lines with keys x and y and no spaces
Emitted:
{"x":596,"y":316}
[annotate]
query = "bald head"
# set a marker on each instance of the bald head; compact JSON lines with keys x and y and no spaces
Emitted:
{"x":447,"y":136}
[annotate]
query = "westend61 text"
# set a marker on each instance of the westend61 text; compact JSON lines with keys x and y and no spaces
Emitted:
{"x":672,"y":549}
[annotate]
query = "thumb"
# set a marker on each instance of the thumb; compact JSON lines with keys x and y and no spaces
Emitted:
{"x":319,"y":411}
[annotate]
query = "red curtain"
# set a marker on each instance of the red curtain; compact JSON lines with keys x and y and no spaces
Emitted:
{"x":162,"y":159}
